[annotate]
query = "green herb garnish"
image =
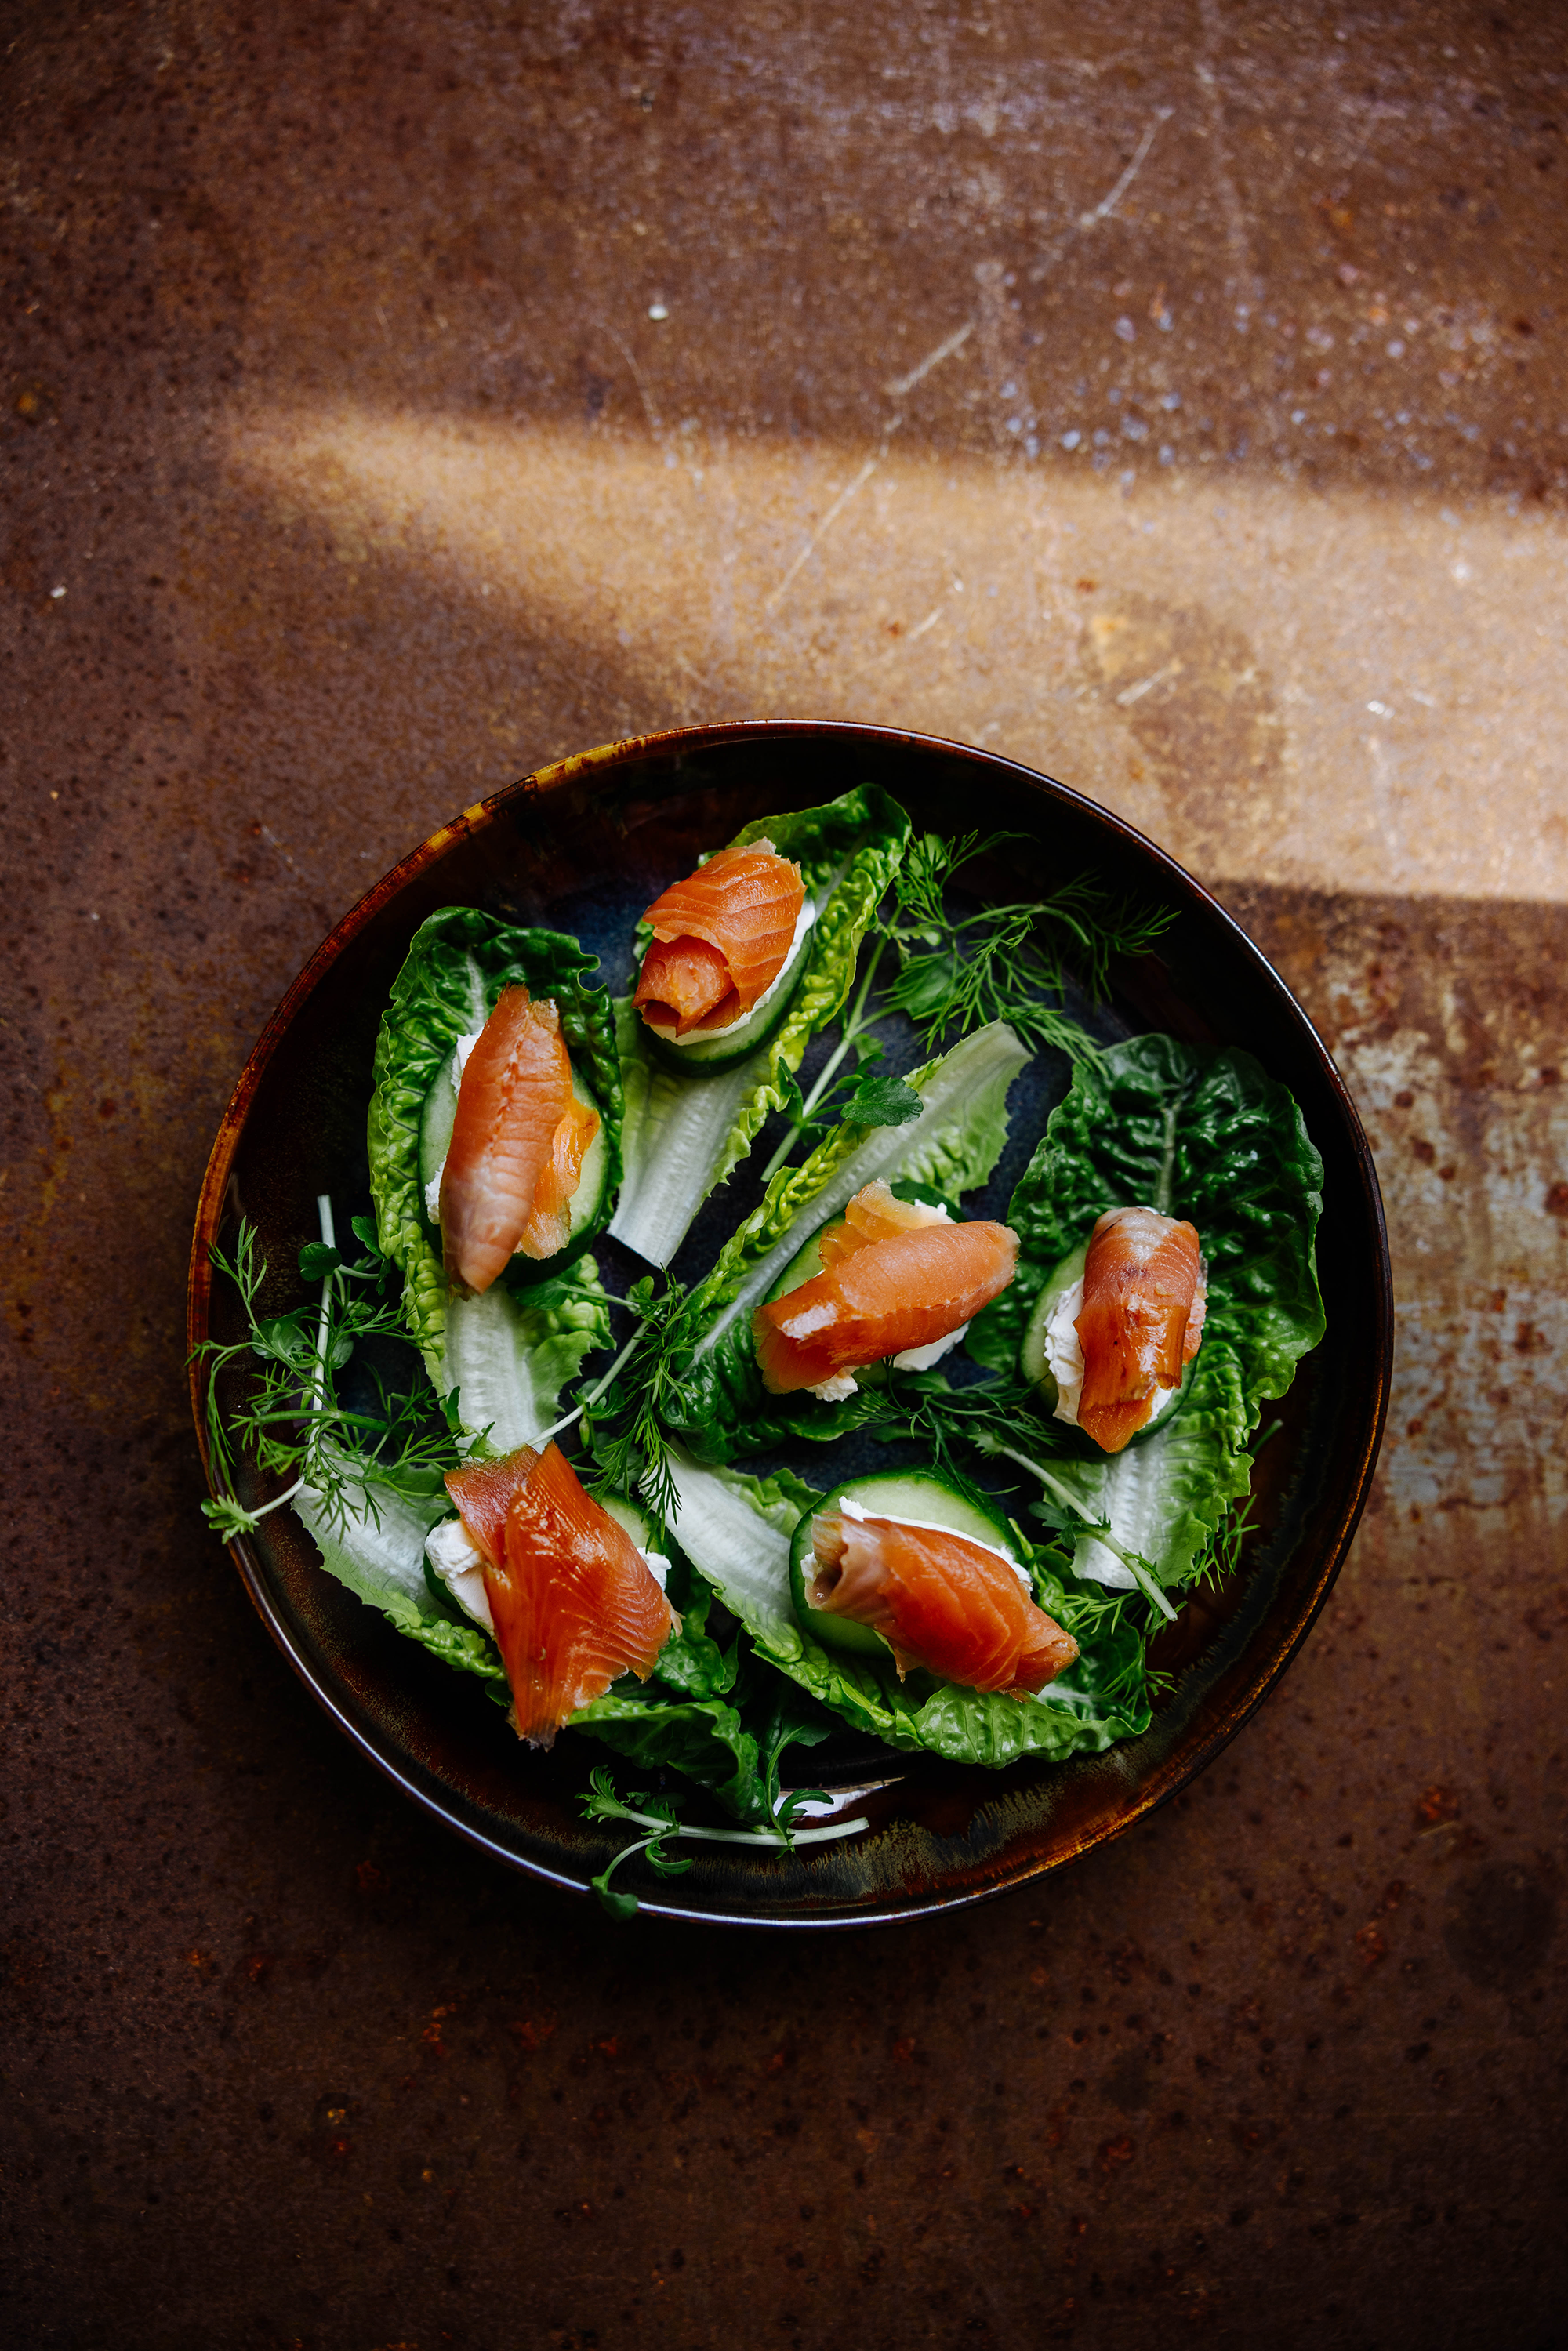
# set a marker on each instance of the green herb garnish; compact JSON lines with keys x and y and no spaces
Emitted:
{"x":657,"y":1816}
{"x":957,"y":973}
{"x":292,"y":1422}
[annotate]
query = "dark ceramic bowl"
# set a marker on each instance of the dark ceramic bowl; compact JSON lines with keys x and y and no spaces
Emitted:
{"x":574,"y":847}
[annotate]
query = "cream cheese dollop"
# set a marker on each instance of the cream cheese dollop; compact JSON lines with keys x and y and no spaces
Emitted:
{"x":461,"y":1569}
{"x":920,"y":1359}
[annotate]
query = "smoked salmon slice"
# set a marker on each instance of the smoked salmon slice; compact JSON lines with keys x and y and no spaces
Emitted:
{"x":939,"y":1600}
{"x":508,"y":1144}
{"x":874,"y":1214}
{"x":886,"y":1285}
{"x":575,"y":1604}
{"x":721,"y":938}
{"x":1144,"y":1302}
{"x":548,"y":1227}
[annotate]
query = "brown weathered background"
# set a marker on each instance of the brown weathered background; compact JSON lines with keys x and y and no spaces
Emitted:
{"x":398,"y":396}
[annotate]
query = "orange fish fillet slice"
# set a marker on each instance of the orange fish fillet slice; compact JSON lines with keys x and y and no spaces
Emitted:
{"x":904,"y":1290}
{"x":515,"y":1089}
{"x":939,"y":1601}
{"x":575,"y":1605}
{"x":1142,"y":1319}
{"x":721,"y":938}
{"x":549,"y":1219}
{"x":874,"y":1214}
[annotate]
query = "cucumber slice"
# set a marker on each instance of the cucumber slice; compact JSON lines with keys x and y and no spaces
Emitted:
{"x":1035,"y":1364}
{"x":708,"y":1056}
{"x":635,"y":1521}
{"x":919,"y":1495}
{"x":440,"y":1114}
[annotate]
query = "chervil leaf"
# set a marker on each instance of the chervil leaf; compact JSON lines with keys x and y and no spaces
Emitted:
{"x":882,"y":1102}
{"x":227,"y":1519}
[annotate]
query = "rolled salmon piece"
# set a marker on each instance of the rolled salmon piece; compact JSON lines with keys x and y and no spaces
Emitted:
{"x":721,"y":938}
{"x":1141,"y":1322}
{"x":939,"y":1600}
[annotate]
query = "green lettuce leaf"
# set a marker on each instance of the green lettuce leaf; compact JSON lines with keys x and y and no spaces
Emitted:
{"x":1198,"y":1132}
{"x":684,"y":1718}
{"x":509,"y":1352}
{"x":736,"y":1530}
{"x":950,"y":1148}
{"x":706,"y":1739}
{"x":506,"y":1355}
{"x":685,"y":1134}
{"x":380,"y":1556}
{"x":458,"y":964}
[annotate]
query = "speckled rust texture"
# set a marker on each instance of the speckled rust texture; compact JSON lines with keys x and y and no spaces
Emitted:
{"x":1173,"y":398}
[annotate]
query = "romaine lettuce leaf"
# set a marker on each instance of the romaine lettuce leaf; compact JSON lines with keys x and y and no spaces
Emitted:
{"x":951,"y":1148}
{"x":380,"y":1556}
{"x":458,"y":964}
{"x":507,"y":1354}
{"x":736,"y":1530}
{"x":684,"y":1718}
{"x":1198,"y":1132}
{"x":685,"y":1134}
{"x":705,"y":1738}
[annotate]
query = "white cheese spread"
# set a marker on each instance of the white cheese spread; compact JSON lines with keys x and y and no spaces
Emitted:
{"x":920,"y":1359}
{"x":658,"y":1566}
{"x":461,"y":1569}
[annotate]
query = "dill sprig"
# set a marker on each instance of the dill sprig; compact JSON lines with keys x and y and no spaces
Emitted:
{"x":848,"y":1096}
{"x":623,"y":1415}
{"x":1005,"y":962}
{"x":393,"y":1443}
{"x":958,"y":972}
{"x":660,"y":1819}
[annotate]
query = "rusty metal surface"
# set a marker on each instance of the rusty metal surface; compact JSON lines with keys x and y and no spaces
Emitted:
{"x":335,"y":405}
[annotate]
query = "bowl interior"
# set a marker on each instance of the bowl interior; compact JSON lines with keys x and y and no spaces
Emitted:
{"x":582,"y":848}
